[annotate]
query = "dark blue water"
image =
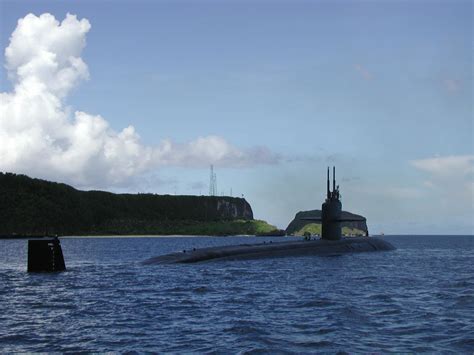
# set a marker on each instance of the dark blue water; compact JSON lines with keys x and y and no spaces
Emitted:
{"x":419,"y":298}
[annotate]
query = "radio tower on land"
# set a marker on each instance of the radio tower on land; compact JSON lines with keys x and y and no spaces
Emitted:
{"x":212,"y":182}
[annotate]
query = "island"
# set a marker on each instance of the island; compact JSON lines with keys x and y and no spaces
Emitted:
{"x":32,"y":207}
{"x":301,"y":227}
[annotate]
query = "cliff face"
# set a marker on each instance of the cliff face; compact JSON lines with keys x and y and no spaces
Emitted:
{"x":233,"y":208}
{"x":297,"y":223}
{"x":35,"y":207}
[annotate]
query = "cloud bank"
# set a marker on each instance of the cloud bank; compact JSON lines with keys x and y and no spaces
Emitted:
{"x":448,"y":166}
{"x":40,"y":136}
{"x":452,"y":174}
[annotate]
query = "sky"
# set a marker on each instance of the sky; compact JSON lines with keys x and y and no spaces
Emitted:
{"x":142,"y":96}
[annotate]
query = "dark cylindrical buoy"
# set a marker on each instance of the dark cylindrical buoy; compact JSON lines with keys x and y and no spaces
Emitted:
{"x":45,"y":255}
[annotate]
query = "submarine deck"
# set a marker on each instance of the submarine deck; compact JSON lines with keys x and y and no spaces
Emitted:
{"x":317,"y":247}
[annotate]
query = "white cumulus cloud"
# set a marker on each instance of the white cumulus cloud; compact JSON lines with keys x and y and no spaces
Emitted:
{"x":41,"y":137}
{"x":212,"y":149}
{"x":458,"y":166}
{"x":452,"y":175}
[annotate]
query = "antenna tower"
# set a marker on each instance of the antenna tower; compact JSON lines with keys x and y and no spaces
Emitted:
{"x":212,"y":182}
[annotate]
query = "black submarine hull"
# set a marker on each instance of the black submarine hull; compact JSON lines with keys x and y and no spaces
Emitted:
{"x":318,"y":247}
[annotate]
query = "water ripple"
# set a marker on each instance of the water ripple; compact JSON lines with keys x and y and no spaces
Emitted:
{"x":416,"y":299}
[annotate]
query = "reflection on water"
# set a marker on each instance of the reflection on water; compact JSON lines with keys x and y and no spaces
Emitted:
{"x":417,"y":298}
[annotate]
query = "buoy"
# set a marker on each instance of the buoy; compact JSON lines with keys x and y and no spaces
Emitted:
{"x":45,"y":255}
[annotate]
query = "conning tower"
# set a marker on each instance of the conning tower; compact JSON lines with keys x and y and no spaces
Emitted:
{"x":331,"y":212}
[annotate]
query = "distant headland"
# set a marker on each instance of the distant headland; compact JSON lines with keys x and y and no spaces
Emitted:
{"x":300,"y":225}
{"x":33,"y":207}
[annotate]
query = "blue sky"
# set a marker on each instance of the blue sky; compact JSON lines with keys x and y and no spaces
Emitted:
{"x":381,"y":89}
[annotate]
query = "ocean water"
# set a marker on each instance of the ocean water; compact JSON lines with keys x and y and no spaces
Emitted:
{"x":419,"y":298}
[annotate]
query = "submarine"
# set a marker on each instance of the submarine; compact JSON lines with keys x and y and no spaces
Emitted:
{"x":331,"y":242}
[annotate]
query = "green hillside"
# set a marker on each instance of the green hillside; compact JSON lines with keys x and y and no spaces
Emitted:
{"x":38,"y":207}
{"x":299,"y":225}
{"x":315,"y":228}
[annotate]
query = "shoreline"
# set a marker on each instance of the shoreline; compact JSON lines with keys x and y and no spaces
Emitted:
{"x":138,"y":236}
